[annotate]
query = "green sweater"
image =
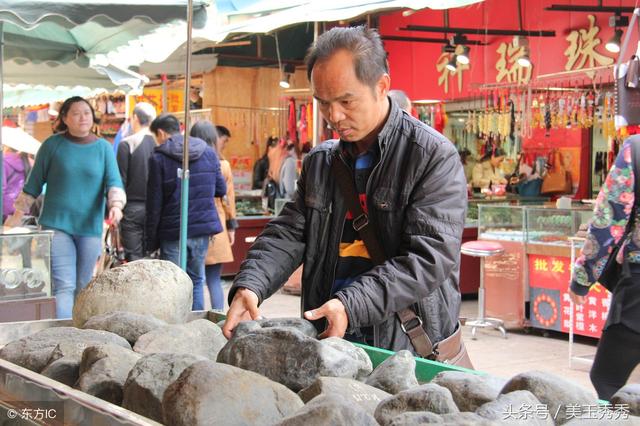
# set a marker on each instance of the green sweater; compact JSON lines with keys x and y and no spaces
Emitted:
{"x":78,"y":177}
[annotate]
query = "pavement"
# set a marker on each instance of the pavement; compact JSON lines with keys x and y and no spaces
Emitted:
{"x":522,"y":350}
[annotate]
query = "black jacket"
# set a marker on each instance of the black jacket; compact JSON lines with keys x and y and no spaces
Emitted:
{"x":165,"y":188}
{"x":133,"y":162}
{"x":417,"y":200}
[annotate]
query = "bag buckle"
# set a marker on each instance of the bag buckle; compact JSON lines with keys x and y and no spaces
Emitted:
{"x":360,"y":222}
{"x":404,"y":327}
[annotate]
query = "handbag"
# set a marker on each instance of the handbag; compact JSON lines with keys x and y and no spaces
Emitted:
{"x":450,"y":350}
{"x":558,"y":179}
{"x":612,"y":271}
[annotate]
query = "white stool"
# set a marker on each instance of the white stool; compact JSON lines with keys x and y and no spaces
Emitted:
{"x":483,"y":249}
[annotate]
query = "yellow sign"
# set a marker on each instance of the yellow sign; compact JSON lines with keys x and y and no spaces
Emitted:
{"x":175,"y":100}
{"x":581,"y":52}
{"x":445,"y":73}
{"x":508,"y":66}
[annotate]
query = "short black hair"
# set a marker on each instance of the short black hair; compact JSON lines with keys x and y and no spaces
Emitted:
{"x":166,"y":122}
{"x":223,"y":131}
{"x":64,"y":110}
{"x":205,"y":130}
{"x":365,"y":44}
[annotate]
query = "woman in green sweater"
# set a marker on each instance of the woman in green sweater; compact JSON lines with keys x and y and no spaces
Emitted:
{"x":80,"y":173}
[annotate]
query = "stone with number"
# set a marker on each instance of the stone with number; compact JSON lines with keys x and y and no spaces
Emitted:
{"x":349,"y":390}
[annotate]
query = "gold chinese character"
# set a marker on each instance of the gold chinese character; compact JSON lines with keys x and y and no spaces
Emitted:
{"x":581,"y":52}
{"x":445,"y":73}
{"x":557,"y":266}
{"x":508,"y":66}
{"x":541,"y":265}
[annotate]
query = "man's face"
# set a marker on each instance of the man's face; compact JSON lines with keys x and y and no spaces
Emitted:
{"x":352,"y":108}
{"x":222,"y":141}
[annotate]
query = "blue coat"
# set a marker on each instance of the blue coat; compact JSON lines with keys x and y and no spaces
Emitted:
{"x":164,"y":191}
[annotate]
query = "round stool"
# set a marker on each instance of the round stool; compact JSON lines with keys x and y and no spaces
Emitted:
{"x":483,"y":249}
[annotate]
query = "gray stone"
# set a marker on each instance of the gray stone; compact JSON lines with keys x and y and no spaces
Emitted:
{"x":630,"y":396}
{"x":128,"y":325}
{"x":299,"y":324}
{"x":199,"y":337}
{"x":349,"y":390}
{"x":148,"y":287}
{"x":396,"y":373}
{"x":469,"y":390}
{"x":104,"y":370}
{"x":358,"y":354}
{"x":553,"y":391}
{"x":430,"y":397}
{"x":508,"y":409}
{"x":64,"y":370}
{"x":287,"y":356}
{"x":466,"y":419}
{"x":413,"y":418}
{"x":329,"y":410}
{"x":35,"y":351}
{"x":150,"y":377}
{"x":208,"y":392}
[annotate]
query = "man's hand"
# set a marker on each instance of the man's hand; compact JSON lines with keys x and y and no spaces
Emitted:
{"x":576,"y":298}
{"x":244,"y":307}
{"x":14,"y":220}
{"x":115,"y":215}
{"x":336,"y":315}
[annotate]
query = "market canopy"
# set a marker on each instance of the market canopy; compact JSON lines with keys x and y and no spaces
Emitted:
{"x":228,"y":17}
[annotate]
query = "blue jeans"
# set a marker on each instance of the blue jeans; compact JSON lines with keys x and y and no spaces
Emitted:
{"x":213,"y":273}
{"x":196,"y":253}
{"x":73,"y":259}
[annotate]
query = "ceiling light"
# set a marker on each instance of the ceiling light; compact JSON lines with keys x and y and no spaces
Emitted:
{"x":463,"y":57}
{"x":452,"y":65}
{"x":524,"y":60}
{"x":284,"y":82}
{"x":613,"y":45}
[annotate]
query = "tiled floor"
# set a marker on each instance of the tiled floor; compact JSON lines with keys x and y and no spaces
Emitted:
{"x":519,"y":352}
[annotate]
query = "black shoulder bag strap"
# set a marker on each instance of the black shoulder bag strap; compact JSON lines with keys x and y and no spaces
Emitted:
{"x":410,"y":322}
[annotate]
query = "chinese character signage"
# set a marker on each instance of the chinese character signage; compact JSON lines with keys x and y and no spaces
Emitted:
{"x":550,"y":302}
{"x":509,"y":70}
{"x":581,"y":52}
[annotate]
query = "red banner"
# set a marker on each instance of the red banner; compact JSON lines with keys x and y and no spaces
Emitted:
{"x":550,"y":306}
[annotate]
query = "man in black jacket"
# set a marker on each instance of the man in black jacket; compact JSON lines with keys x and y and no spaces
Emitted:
{"x":411,"y":186}
{"x":133,"y":159}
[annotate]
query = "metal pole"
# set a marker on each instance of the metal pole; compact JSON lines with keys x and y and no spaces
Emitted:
{"x":165,"y":107}
{"x":316,"y":112}
{"x":1,"y":111}
{"x":184,"y":200}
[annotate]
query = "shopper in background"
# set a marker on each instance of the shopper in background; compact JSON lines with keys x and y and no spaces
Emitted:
{"x":261,"y":167}
{"x":401,"y":99}
{"x":619,"y":346}
{"x":164,"y":190}
{"x":133,"y":161}
{"x":17,"y":166}
{"x":219,"y":251}
{"x":81,"y":173}
{"x":487,"y":171}
{"x":289,"y":173}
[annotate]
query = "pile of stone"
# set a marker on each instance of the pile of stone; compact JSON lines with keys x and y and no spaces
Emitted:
{"x":149,"y":360}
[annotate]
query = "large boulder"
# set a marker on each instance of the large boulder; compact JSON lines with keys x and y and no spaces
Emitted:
{"x":353,"y":351}
{"x":558,"y":394}
{"x":469,"y":390}
{"x":199,"y":337}
{"x":150,"y":377}
{"x":430,"y":397}
{"x":299,"y":324}
{"x":395,"y":374}
{"x":128,"y":325}
{"x":348,"y":390}
{"x":516,"y":408}
{"x":212,"y":393}
{"x":628,"y":395}
{"x":288,"y":356}
{"x":329,"y":410}
{"x":149,"y":287}
{"x":35,"y":351}
{"x":104,"y":370}
{"x":413,"y":418}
